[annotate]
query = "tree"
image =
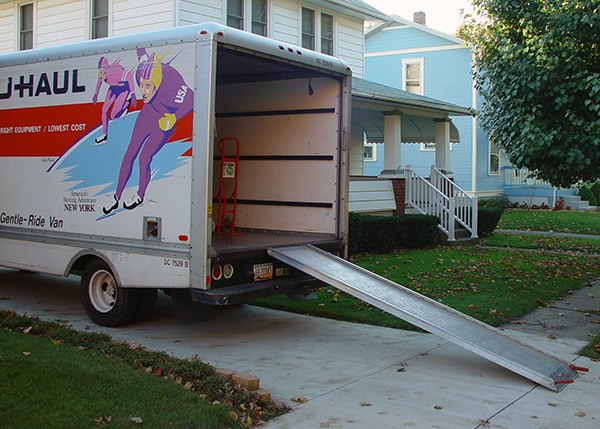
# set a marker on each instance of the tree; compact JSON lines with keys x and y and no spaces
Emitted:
{"x":537,"y":67}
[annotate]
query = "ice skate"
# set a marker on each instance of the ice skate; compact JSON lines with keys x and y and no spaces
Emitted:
{"x":108,"y":208}
{"x":101,"y":140}
{"x":134,"y":201}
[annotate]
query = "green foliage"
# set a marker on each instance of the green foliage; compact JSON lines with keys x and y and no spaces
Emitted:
{"x":537,"y":68}
{"x":498,"y":202}
{"x":487,"y":220}
{"x":591,"y":193}
{"x":381,"y":234}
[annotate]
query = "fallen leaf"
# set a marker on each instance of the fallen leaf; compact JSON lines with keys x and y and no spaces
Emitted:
{"x":580,"y":413}
{"x":26,"y":354}
{"x":103,"y":420}
{"x":55,"y":341}
{"x":158,"y":372}
{"x":365,"y":404}
{"x":27,"y":330}
{"x":438,"y":407}
{"x":299,"y":399}
{"x":136,"y":420}
{"x":552,"y":337}
{"x":553,"y":404}
{"x":234,"y":415}
{"x":597,"y":347}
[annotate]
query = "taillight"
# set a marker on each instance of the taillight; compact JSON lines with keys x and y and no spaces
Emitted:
{"x":217,"y":272}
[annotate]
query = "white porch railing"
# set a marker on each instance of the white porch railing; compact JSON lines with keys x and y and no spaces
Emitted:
{"x":441,"y":197}
{"x":514,"y":176}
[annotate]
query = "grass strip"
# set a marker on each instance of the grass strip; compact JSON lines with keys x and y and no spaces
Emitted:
{"x":558,"y":244}
{"x":61,"y":378}
{"x":576,"y":222}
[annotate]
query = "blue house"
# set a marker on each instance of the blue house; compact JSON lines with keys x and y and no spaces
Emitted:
{"x":418,"y":59}
{"x":413,"y":57}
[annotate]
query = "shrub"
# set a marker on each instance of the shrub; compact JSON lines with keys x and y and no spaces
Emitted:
{"x":487,"y":220}
{"x":591,"y":193}
{"x":498,"y":202}
{"x":381,"y":234}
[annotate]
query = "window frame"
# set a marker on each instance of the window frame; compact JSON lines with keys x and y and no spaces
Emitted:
{"x":93,"y":18}
{"x":317,"y":36}
{"x":20,"y":31}
{"x":489,"y":160}
{"x":247,"y":19}
{"x":409,"y":61}
{"x":373,"y":147}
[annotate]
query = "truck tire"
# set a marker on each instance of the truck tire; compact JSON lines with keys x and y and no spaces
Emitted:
{"x":105,"y":302}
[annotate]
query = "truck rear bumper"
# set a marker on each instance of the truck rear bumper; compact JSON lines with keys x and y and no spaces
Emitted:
{"x":245,"y":292}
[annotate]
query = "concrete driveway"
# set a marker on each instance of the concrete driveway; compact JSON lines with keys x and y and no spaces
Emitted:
{"x":342,"y":375}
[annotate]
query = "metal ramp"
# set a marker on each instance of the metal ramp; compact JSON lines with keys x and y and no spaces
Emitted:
{"x":486,"y":341}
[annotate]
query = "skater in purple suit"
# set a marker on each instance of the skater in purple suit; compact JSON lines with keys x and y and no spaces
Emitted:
{"x":120,"y":93}
{"x":167,"y":99}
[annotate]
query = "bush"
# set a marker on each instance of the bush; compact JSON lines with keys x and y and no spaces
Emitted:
{"x":498,"y":202}
{"x":591,"y":193}
{"x":382,"y":234}
{"x":487,"y":220}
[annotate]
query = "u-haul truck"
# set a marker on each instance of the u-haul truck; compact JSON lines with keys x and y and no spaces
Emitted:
{"x":171,"y":160}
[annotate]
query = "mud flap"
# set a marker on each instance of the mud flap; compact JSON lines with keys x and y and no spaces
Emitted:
{"x":188,"y":311}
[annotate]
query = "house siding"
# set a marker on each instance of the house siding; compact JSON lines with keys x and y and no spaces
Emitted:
{"x":135,"y":16}
{"x":194,"y":12}
{"x":8,"y":28}
{"x":285,"y":25}
{"x":351,"y":44}
{"x":59,"y":22}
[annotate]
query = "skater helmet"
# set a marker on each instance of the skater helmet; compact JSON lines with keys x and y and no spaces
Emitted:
{"x":103,"y":63}
{"x":151,"y":70}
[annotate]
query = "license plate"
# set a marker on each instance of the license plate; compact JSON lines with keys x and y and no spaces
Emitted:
{"x":263,"y":271}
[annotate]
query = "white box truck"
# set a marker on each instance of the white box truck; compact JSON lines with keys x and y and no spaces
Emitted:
{"x":171,"y":160}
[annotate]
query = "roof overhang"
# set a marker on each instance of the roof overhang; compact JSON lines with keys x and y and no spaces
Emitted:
{"x":372,"y":101}
{"x":355,"y":8}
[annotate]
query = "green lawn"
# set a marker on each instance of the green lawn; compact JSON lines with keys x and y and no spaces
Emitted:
{"x":494,"y":285}
{"x":48,"y":385}
{"x":56,"y":377}
{"x":558,"y":244}
{"x":578,"y":222}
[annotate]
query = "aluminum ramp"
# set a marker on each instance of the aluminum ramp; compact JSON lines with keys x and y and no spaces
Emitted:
{"x":486,"y":341}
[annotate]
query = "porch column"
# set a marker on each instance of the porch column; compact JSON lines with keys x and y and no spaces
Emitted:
{"x":391,"y":144}
{"x":442,"y":144}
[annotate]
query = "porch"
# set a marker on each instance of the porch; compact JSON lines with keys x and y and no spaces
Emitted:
{"x":395,"y":117}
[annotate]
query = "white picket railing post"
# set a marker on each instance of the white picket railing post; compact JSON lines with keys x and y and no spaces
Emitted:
{"x":441,"y":197}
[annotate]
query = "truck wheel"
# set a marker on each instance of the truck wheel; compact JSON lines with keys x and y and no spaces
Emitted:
{"x":105,"y":302}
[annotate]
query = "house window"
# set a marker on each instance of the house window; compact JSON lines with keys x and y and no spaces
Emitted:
{"x":428,"y":146}
{"x":25,"y":26}
{"x":317,"y":31}
{"x":235,"y":14}
{"x":99,"y":19}
{"x":308,"y":28}
{"x":259,"y":17}
{"x":248,"y":15}
{"x":494,"y":162}
{"x":370,"y":152}
{"x":327,"y":34}
{"x":412,"y":75}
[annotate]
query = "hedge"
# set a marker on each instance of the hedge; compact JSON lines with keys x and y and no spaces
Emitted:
{"x":487,"y":220}
{"x":382,"y":234}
